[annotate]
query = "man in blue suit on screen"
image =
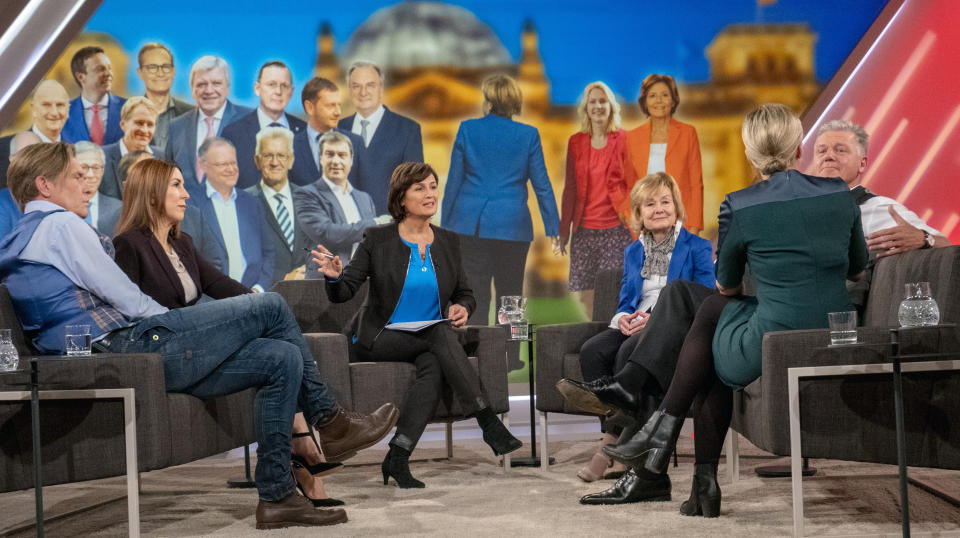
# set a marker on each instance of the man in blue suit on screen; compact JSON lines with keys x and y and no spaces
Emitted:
{"x":210,"y":84}
{"x":242,"y":248}
{"x":321,"y":102}
{"x":95,"y":115}
{"x":389,"y":138}
{"x":274,"y":87}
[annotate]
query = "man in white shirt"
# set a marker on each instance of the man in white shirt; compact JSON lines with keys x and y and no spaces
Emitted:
{"x":274,"y":87}
{"x":333,"y":212}
{"x":277,"y":195}
{"x":389,"y":138}
{"x":103,"y":212}
{"x":210,"y":84}
{"x":95,"y":115}
{"x":242,"y":248}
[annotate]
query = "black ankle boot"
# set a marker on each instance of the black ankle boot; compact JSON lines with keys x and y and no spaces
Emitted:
{"x":397,"y":465}
{"x":496,"y":434}
{"x":704,"y":493}
{"x":654,"y":442}
{"x":636,"y":485}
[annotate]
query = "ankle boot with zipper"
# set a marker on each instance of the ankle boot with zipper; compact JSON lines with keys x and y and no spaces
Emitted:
{"x":651,"y":446}
{"x":704,"y":493}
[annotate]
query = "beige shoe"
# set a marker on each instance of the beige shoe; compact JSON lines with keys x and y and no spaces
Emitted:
{"x":602,"y":466}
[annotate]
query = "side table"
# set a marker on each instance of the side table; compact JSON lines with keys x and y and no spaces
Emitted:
{"x":533,"y":460}
{"x":35,"y":394}
{"x":938,"y":362}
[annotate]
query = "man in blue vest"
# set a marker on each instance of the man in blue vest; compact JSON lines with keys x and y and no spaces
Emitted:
{"x":58,"y":273}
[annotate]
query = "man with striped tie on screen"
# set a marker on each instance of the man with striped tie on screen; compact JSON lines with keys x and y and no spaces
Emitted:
{"x":274,"y":157}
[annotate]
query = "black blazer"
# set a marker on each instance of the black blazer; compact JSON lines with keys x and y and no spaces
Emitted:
{"x":142,"y":258}
{"x":383,"y":258}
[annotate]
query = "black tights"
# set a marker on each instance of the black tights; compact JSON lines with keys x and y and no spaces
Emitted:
{"x":695,"y":382}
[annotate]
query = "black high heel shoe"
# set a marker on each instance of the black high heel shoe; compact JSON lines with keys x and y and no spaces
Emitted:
{"x":704,"y":493}
{"x":320,"y":469}
{"x":317,"y":503}
{"x":397,"y":465}
{"x":495,"y":434}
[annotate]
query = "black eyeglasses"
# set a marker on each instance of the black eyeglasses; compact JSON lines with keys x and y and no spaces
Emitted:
{"x":152,"y":68}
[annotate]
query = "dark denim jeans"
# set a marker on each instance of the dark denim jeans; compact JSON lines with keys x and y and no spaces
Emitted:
{"x":222,"y":347}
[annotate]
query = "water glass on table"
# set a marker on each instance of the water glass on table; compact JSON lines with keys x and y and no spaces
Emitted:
{"x":77,"y":340}
{"x":9,"y":358}
{"x":918,"y":307}
{"x":843,"y":327}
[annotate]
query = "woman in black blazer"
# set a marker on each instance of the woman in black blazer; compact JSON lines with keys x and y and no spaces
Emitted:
{"x":415,"y":272}
{"x":163,"y":262}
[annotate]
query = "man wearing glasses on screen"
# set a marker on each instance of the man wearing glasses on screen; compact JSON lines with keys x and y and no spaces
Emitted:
{"x":157,"y":71}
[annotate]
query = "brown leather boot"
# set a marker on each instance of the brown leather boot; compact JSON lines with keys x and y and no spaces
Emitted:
{"x":347,"y":432}
{"x":295,"y":511}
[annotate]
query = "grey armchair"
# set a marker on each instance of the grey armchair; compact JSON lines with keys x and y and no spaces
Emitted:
{"x":364,"y":386}
{"x":851,"y":418}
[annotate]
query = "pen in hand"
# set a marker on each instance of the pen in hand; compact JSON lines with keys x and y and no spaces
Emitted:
{"x":324,"y":254}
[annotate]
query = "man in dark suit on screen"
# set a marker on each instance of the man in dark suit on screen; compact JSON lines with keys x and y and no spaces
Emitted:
{"x":389,"y":138}
{"x":278,"y":196}
{"x":210,"y":84}
{"x":321,"y":102}
{"x":95,"y":115}
{"x":274,"y":86}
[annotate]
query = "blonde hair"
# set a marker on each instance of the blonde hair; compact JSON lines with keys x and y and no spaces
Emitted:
{"x":771,"y":134}
{"x":48,"y":160}
{"x":503,"y":95}
{"x":644,"y":189}
{"x":144,"y":196}
{"x":613,"y":121}
{"x":133,"y":103}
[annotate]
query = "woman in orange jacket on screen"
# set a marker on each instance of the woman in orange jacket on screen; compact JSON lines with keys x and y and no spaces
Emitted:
{"x":664,"y":144}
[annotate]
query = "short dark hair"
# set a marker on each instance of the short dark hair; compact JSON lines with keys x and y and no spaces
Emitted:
{"x":273,"y":63}
{"x":649,"y":82}
{"x":153,"y":46}
{"x":314,"y":86}
{"x":78,"y":64}
{"x":128,"y":160}
{"x":404,"y":176}
{"x":49,"y":160}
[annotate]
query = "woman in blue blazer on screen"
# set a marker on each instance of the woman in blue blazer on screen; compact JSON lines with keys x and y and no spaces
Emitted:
{"x":664,"y":252}
{"x":485,"y":200}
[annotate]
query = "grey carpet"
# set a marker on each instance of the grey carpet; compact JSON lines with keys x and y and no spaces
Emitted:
{"x":470,"y":495}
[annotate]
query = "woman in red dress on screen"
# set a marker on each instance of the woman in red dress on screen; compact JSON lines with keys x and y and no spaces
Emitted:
{"x":664,"y":144}
{"x":594,"y":193}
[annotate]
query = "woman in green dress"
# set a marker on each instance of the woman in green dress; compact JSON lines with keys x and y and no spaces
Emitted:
{"x":802,"y":237}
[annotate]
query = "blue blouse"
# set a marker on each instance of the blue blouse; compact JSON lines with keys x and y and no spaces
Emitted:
{"x":420,"y":298}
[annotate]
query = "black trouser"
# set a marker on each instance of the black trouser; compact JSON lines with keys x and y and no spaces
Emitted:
{"x":438,"y":356}
{"x":604,"y":354}
{"x":497,"y":259}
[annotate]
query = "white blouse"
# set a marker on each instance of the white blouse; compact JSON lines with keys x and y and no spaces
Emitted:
{"x":658,"y":158}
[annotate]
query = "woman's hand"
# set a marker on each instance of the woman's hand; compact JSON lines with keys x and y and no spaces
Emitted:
{"x":330,"y":265}
{"x":559,"y":246}
{"x":458,"y":315}
{"x":632,"y":323}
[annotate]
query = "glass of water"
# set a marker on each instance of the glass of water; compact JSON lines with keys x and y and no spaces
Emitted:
{"x":77,"y":340}
{"x":9,"y":358}
{"x":918,"y":307}
{"x":843,"y":327}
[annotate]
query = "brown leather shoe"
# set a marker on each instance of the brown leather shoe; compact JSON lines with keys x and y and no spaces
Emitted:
{"x":348,"y":432}
{"x":295,"y":511}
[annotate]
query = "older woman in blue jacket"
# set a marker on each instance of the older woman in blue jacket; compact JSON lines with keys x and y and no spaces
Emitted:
{"x":664,"y":252}
{"x":485,"y":200}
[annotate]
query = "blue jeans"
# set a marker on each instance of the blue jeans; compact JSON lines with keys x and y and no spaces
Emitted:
{"x":226,"y":346}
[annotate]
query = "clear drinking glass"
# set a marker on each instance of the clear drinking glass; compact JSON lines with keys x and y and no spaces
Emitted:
{"x":9,"y":358}
{"x":77,"y":340}
{"x":918,"y":307}
{"x":512,"y":310}
{"x":843,"y":327}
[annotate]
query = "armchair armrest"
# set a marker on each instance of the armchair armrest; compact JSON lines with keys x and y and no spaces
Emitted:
{"x":331,"y":353}
{"x":554,"y":342}
{"x":489,"y":345}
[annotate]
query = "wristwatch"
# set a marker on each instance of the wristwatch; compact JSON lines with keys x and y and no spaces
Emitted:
{"x":927,"y":239}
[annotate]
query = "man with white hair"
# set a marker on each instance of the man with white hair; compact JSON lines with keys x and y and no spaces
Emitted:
{"x":279,"y":197}
{"x":103,"y":212}
{"x":274,"y":87}
{"x":210,"y":84}
{"x":48,"y":106}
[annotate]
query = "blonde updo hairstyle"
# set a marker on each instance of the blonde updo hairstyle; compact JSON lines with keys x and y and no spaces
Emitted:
{"x":646,"y":188}
{"x":771,"y":133}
